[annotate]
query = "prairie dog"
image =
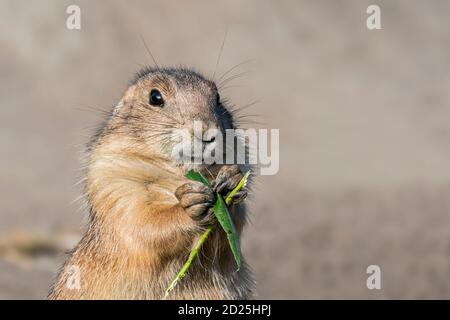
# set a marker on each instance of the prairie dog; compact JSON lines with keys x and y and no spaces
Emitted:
{"x":144,"y":215}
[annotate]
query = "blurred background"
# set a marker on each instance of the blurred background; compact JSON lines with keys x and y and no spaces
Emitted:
{"x":364,"y":119}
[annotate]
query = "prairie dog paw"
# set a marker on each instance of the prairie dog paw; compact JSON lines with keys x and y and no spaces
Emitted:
{"x":227,"y":179}
{"x":195,"y":198}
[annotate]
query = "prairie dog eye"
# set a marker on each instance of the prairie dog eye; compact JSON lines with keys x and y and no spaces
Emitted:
{"x":155,"y":98}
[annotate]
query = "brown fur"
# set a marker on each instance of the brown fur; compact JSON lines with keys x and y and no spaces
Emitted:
{"x":140,"y":232}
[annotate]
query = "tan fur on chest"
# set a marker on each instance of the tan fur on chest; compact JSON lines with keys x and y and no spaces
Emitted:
{"x":135,"y":246}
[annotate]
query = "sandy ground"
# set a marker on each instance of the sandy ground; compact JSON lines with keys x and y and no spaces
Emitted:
{"x":364,"y":123}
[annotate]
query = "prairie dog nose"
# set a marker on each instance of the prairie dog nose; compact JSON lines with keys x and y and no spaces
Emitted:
{"x":210,"y":135}
{"x":205,"y":132}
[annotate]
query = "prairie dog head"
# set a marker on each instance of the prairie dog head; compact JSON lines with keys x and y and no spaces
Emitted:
{"x":166,"y":110}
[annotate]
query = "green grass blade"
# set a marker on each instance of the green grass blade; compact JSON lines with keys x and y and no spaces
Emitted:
{"x":197,"y":176}
{"x":227,"y":224}
{"x":223,"y":216}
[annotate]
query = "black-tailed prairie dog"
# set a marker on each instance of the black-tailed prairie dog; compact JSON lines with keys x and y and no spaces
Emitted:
{"x":145,"y":216}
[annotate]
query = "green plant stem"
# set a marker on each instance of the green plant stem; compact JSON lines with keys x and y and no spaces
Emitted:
{"x":238,"y":188}
{"x":194,"y":253}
